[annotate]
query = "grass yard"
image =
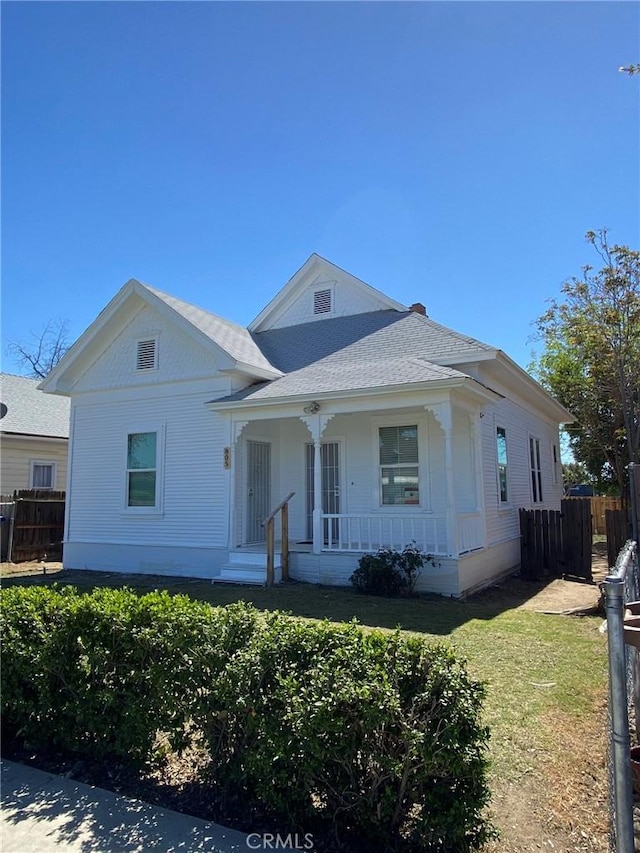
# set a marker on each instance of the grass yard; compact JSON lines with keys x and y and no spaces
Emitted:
{"x":546,"y":684}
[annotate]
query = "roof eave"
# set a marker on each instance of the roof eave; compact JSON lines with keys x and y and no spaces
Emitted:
{"x":429,"y":385}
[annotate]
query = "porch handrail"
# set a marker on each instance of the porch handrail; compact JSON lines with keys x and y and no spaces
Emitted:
{"x":269,"y":523}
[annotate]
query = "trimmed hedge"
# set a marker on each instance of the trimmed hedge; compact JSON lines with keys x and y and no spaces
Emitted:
{"x":379,"y":735}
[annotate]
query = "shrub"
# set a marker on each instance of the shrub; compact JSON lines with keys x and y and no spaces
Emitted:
{"x":100,"y":674}
{"x":390,"y":572}
{"x":377,"y":735}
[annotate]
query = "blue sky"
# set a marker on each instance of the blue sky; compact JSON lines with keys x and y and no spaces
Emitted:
{"x":453,"y":153}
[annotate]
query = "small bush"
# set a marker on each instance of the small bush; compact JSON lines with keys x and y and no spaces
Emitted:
{"x":376,"y":735}
{"x":390,"y":573}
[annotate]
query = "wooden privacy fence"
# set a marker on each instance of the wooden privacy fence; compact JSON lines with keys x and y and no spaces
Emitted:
{"x":35,"y":522}
{"x":555,"y":544}
{"x":619,"y":529}
{"x":599,"y":507}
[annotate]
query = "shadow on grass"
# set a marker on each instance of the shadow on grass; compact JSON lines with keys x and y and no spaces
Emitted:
{"x":427,"y":614}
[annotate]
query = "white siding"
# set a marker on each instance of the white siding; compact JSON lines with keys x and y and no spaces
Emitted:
{"x":464,"y":481}
{"x":346,"y":299}
{"x":16,"y":455}
{"x":179,"y":356}
{"x":520,"y":423}
{"x":196,"y":485}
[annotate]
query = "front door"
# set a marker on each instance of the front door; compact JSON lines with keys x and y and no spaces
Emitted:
{"x":330,"y":464}
{"x":258,"y":489}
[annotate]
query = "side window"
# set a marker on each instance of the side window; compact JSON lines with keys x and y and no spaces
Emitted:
{"x":43,"y":475}
{"x":142,"y":469}
{"x":536,"y":469}
{"x":503,"y":465}
{"x":399,"y":471}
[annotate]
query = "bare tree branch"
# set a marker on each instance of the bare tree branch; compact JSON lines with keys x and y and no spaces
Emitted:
{"x":44,"y":350}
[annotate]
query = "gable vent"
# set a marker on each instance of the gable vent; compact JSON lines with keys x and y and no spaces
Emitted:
{"x":322,"y":302}
{"x":146,"y":355}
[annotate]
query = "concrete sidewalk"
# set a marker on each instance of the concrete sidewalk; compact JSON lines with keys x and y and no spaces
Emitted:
{"x":42,"y":813}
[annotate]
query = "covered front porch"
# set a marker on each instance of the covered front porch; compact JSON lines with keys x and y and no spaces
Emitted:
{"x":382,"y":476}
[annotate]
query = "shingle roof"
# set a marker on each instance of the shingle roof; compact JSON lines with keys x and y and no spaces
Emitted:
{"x":378,"y":333}
{"x":30,"y":411}
{"x":234,"y":339}
{"x":375,"y":350}
{"x":329,"y":376}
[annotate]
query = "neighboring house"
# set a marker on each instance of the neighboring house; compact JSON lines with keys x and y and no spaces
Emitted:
{"x":34,"y":436}
{"x":186,"y":430}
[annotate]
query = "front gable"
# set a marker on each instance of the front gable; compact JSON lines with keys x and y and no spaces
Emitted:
{"x":318,"y":291}
{"x":150,"y":350}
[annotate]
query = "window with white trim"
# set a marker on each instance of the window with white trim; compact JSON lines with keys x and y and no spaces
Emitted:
{"x":399,"y":469}
{"x":142,"y":469}
{"x":42,"y":475}
{"x":502,"y":464}
{"x":147,"y":354}
{"x":554,"y":465}
{"x":536,"y":469}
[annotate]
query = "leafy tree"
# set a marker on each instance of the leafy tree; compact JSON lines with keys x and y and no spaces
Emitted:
{"x":44,"y":350}
{"x":575,"y":473}
{"x":591,"y":362}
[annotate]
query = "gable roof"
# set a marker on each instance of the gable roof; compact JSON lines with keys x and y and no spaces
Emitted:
{"x":30,"y":411}
{"x":314,"y":266}
{"x":232,"y":338}
{"x":222,"y":336}
{"x":382,"y":349}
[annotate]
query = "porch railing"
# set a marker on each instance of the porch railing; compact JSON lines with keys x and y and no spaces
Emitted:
{"x":269,"y":523}
{"x":370,"y":532}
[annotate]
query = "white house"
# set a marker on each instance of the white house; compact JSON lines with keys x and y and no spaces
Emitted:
{"x":34,"y":435}
{"x":186,"y":430}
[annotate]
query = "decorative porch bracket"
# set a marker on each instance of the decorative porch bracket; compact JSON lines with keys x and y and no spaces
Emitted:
{"x":316,"y":424}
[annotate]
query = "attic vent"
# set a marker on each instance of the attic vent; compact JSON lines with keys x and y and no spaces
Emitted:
{"x":322,"y":302}
{"x":146,"y":355}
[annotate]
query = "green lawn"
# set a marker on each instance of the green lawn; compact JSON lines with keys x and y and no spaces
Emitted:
{"x":536,"y":667}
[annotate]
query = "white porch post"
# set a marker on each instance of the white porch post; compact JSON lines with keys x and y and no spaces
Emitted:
{"x":443,"y":413}
{"x":316,"y":424}
{"x":476,"y":443}
{"x":236,"y":432}
{"x":317,"y":495}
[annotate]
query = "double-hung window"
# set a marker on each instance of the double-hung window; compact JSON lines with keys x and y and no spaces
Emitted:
{"x":43,"y":475}
{"x":536,"y":469}
{"x":503,"y":469}
{"x":399,"y":471}
{"x":142,"y":469}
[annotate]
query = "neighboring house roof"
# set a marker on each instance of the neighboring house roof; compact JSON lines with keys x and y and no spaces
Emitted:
{"x":29,"y":411}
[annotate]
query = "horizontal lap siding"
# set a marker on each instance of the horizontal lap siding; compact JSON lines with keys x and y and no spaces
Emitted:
{"x":15,"y":461}
{"x":180,"y":357}
{"x":464,"y":477}
{"x":196,"y":486}
{"x":519,"y":423}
